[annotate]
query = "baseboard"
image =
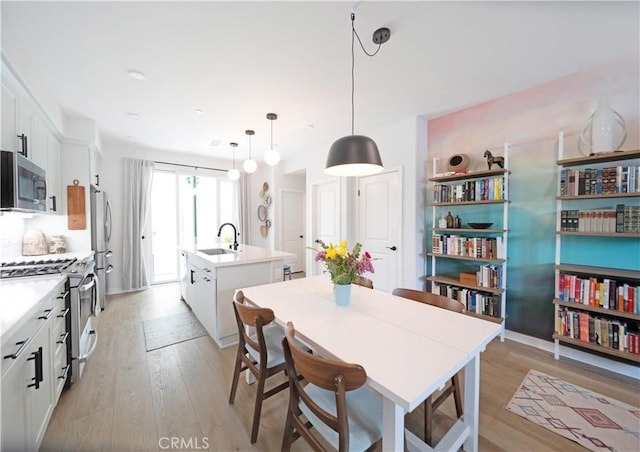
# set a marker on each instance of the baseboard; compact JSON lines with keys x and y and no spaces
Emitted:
{"x":576,"y":355}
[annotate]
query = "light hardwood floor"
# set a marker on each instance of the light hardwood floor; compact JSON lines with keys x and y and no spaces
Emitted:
{"x":133,"y":400}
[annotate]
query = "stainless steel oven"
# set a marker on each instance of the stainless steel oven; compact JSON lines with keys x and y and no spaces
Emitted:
{"x":84,"y":308}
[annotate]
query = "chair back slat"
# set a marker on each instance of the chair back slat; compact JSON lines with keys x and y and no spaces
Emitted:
{"x":430,"y":298}
{"x":364,"y":282}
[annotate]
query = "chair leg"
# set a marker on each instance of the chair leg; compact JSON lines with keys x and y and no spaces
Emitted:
{"x":455,"y":381}
{"x":428,"y":421}
{"x":236,"y":377}
{"x":258,"y":408}
{"x":287,"y":438}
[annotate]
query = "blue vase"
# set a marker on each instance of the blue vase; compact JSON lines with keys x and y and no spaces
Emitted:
{"x":342,"y":293}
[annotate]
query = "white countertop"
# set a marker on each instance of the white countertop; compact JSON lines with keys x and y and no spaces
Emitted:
{"x":18,"y":296}
{"x":246,"y":254}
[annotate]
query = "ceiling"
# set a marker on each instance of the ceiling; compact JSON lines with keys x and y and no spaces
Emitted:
{"x":238,"y":61}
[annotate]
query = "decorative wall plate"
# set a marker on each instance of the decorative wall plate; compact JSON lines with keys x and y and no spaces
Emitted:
{"x":265,"y":189}
{"x":262,"y":213}
{"x":267,"y":200}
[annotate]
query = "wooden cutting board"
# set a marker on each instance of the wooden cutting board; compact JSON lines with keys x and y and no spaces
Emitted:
{"x":75,"y":206}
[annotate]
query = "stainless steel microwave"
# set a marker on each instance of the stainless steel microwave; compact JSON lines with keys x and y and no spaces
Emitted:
{"x":23,"y":184}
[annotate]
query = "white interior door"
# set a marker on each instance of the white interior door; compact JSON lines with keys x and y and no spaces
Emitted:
{"x":380,"y":225}
{"x":326,"y":217}
{"x":293,"y":226}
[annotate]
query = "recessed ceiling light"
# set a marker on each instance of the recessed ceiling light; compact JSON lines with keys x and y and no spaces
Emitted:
{"x":130,"y":137}
{"x":215,"y":143}
{"x":136,"y":75}
{"x":309,"y":126}
{"x":199,"y":111}
{"x":133,"y":115}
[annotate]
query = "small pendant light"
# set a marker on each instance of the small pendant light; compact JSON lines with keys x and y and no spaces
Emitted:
{"x":272,"y":156}
{"x":233,"y":173}
{"x":356,"y":155}
{"x":250,"y":165}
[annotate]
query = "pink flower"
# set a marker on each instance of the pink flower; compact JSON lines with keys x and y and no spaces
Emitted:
{"x":367,"y":255}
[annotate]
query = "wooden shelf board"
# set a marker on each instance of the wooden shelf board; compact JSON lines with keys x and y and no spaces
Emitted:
{"x":602,"y":234}
{"x":474,"y":175}
{"x":472,"y":203}
{"x":633,"y":194}
{"x":468,"y":258}
{"x":600,"y":271}
{"x":456,"y":282}
{"x":598,"y":348}
{"x":603,"y":311}
{"x":487,"y":231}
{"x":600,"y":158}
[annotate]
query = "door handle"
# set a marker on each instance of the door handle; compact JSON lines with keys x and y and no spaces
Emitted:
{"x":302,"y":236}
{"x":392,"y":248}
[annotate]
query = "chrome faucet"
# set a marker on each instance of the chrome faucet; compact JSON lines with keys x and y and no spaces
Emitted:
{"x":235,"y":234}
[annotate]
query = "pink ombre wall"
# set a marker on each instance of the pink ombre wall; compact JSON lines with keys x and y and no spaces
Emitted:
{"x":529,"y":121}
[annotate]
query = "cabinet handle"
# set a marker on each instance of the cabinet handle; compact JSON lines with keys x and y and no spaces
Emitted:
{"x":97,"y":180}
{"x":37,"y":356}
{"x":46,"y":317}
{"x":206,"y":279}
{"x":65,"y":371}
{"x":62,"y":295}
{"x":63,"y":314}
{"x":207,"y":270}
{"x":54,"y":207}
{"x":191,"y":276}
{"x":15,"y":355}
{"x":24,"y":150}
{"x":64,"y":338}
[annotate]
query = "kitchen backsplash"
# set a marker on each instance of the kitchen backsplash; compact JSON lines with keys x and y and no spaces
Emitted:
{"x":13,"y":228}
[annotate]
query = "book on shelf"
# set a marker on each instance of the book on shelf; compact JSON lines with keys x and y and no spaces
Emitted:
{"x":594,"y":181}
{"x":617,"y":295}
{"x":488,"y":189}
{"x":473,"y":300}
{"x":607,"y":332}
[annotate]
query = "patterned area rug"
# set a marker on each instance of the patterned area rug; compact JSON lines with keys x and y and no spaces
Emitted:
{"x":165,"y":331}
{"x":590,"y":419}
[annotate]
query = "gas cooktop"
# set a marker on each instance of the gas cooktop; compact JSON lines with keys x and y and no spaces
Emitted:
{"x":35,"y":267}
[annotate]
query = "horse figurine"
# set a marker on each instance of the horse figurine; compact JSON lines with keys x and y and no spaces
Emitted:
{"x":491,"y":159}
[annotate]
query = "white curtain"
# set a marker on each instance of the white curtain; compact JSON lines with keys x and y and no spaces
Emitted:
{"x":243,"y":209}
{"x":138,"y":177}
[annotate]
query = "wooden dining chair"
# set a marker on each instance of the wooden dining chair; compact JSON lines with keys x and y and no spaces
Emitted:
{"x":364,"y":282}
{"x":259,"y":352}
{"x":334,"y":401}
{"x":453,"y":387}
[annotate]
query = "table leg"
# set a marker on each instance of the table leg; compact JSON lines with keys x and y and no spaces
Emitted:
{"x":472,"y":402}
{"x":392,"y":426}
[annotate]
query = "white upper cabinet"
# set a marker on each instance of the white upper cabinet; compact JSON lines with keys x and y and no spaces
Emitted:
{"x":9,"y":113}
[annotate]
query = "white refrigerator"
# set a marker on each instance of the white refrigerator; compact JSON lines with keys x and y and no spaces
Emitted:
{"x":100,"y":236}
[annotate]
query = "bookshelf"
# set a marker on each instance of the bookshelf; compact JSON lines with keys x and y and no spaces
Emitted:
{"x":467,"y":263}
{"x":597,"y":308}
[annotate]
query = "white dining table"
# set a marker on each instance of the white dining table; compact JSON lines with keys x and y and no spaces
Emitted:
{"x":408,"y":349}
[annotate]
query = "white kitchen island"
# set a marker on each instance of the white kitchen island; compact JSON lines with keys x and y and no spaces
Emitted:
{"x":211,"y":275}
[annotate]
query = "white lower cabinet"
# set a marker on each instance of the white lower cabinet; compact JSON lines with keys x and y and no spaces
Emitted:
{"x":209,"y":292}
{"x":28,"y":379}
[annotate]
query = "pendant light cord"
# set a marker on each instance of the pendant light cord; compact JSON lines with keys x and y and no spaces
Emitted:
{"x":354,"y":34}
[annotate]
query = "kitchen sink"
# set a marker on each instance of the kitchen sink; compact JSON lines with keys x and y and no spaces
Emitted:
{"x":217,"y":251}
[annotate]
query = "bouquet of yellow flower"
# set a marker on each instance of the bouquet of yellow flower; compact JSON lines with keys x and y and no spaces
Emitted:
{"x":344,"y":266}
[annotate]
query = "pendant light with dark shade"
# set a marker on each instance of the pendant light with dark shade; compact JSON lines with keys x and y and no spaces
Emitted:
{"x":250,"y":165}
{"x":356,"y":155}
{"x":272,"y":156}
{"x":233,"y":173}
